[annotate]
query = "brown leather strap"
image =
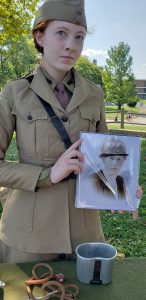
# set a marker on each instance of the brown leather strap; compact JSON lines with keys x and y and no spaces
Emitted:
{"x":48,"y":274}
{"x":32,"y":297}
{"x":56,"y":287}
{"x":72,"y":287}
{"x":35,"y":280}
{"x":50,"y":288}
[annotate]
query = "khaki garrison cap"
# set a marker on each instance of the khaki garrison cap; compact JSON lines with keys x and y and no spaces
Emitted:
{"x":64,"y":10}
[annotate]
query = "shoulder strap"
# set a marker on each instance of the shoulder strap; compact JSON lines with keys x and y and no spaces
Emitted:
{"x":54,"y":119}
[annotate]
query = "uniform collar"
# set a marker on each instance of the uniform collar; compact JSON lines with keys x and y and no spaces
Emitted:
{"x":39,"y":85}
{"x":68,"y":80}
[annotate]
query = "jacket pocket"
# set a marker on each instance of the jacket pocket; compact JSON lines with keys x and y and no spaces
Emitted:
{"x":32,"y":133}
{"x":19,"y":207}
{"x":89,"y":118}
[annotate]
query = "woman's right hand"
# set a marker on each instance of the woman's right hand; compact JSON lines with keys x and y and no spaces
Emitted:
{"x":70,"y":161}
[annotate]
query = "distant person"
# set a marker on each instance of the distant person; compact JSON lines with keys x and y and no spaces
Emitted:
{"x":129,"y":117}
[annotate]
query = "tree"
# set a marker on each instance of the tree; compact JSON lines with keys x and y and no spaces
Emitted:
{"x":18,"y":63}
{"x":15,"y":26}
{"x":89,"y":70}
{"x":15,"y":18}
{"x":118,"y":78}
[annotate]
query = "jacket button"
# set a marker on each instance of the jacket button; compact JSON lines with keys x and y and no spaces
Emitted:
{"x":29,"y":117}
{"x":64,"y":118}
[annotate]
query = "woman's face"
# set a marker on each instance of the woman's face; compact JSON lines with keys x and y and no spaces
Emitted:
{"x":63,"y":44}
{"x":113,"y":164}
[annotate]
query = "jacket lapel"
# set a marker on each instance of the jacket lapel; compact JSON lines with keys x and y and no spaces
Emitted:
{"x":81,"y":92}
{"x":41,"y":87}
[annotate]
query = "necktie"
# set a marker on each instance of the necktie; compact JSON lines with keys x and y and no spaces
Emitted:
{"x":62,"y":94}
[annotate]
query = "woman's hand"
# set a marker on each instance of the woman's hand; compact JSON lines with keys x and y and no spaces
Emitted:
{"x":139,"y":194}
{"x":70,"y":161}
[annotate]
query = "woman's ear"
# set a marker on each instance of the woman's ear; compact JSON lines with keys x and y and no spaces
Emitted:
{"x":39,"y":38}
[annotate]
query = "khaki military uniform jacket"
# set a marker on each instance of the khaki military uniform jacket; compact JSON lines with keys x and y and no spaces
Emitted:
{"x":45,"y":221}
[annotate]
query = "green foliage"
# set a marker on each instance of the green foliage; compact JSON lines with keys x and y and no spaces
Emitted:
{"x":118,"y":79}
{"x":16,"y":17}
{"x":12,"y":153}
{"x":132,"y":102}
{"x":18,"y":60}
{"x":89,"y":70}
{"x":15,"y":25}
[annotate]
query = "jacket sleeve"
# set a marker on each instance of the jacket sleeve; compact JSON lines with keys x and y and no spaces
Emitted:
{"x":13,"y":175}
{"x":44,"y":179}
{"x":101,"y":126}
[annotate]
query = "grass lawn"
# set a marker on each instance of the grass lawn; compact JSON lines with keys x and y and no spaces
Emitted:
{"x":126,"y":108}
{"x":128,"y":127}
{"x":128,"y":236}
{"x":111,"y":114}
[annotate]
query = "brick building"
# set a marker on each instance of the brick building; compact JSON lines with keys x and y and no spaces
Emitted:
{"x":141,"y":88}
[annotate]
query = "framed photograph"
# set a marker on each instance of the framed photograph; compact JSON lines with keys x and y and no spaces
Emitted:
{"x":110,"y":175}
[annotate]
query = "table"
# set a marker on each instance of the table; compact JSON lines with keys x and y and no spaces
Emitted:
{"x":129,"y":280}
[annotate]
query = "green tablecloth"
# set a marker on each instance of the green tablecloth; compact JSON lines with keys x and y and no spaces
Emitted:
{"x":129,"y":280}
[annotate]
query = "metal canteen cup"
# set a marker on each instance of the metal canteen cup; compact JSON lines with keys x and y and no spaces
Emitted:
{"x":95,"y":262}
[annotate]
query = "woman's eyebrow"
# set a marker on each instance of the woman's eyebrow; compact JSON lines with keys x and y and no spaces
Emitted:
{"x":61,"y":28}
{"x":81,"y":31}
{"x":67,"y":29}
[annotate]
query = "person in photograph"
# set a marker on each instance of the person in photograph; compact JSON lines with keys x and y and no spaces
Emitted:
{"x":39,"y":219}
{"x":108,"y":180}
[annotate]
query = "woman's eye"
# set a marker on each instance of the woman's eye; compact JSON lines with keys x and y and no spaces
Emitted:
{"x":61,"y":33}
{"x":80,"y":38}
{"x":120,"y":158}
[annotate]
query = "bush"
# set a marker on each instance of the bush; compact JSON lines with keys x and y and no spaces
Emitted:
{"x":132,"y":104}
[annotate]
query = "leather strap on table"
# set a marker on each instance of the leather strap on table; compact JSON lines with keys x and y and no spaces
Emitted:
{"x":50,"y":288}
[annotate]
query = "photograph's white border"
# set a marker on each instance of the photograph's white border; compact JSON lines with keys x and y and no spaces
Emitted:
{"x":86,"y":196}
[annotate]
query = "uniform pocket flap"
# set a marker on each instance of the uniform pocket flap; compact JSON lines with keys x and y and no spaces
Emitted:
{"x":89,"y":113}
{"x":30,"y":117}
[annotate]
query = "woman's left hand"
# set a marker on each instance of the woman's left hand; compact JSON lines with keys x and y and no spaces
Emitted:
{"x":139,"y":194}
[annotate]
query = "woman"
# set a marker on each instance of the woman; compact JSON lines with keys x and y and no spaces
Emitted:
{"x":108,"y":181}
{"x":39,"y":219}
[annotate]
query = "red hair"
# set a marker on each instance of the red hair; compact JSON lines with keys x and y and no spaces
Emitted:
{"x":39,"y":27}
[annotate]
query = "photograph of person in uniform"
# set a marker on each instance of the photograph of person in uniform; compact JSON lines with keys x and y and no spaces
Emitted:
{"x":109,"y":179}
{"x":113,"y":155}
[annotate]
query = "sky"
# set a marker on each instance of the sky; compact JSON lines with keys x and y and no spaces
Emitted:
{"x":114,"y":21}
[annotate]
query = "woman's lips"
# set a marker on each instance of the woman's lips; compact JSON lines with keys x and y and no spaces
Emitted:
{"x":68,"y":58}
